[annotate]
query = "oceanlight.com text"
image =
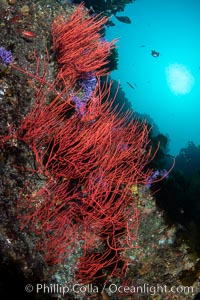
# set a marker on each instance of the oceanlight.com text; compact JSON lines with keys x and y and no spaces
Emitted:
{"x":112,"y":288}
{"x":149,"y":289}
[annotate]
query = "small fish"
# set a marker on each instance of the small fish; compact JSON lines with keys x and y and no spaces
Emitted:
{"x":123,"y":19}
{"x":155,"y":53}
{"x":28,"y":34}
{"x":131,"y":85}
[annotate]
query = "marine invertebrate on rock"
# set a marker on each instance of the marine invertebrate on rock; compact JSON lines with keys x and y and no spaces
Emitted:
{"x":88,"y":85}
{"x":6,"y":56}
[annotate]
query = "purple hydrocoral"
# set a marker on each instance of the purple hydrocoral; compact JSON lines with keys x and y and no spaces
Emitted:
{"x":157,"y":174}
{"x":80,"y":105}
{"x":6,"y":56}
{"x":88,"y":85}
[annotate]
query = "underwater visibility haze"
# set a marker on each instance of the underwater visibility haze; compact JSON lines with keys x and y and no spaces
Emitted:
{"x":159,"y":65}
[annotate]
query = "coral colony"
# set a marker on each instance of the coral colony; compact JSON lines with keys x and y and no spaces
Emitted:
{"x":5,"y":56}
{"x":156,"y":175}
{"x":90,"y":158}
{"x":88,"y":86}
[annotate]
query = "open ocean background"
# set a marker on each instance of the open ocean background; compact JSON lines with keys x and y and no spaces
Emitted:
{"x":167,"y":87}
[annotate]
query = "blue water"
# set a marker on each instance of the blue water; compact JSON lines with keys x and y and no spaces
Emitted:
{"x":173,"y":29}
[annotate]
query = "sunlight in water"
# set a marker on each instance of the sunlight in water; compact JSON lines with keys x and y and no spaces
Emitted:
{"x":179,"y":79}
